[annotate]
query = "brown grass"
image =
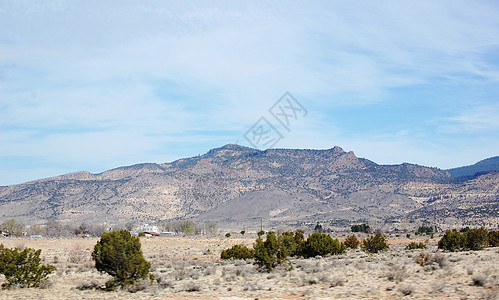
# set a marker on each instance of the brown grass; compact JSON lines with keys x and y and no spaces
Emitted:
{"x":187,"y":268}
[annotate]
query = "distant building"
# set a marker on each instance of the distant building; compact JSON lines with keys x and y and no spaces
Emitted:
{"x":150,"y":233}
{"x":149,"y":229}
{"x":168,"y":233}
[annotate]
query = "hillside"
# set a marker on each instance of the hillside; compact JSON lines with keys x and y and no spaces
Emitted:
{"x":235,"y":184}
{"x":489,"y":164}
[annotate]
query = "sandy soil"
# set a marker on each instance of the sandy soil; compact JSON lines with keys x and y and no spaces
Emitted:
{"x":187,"y":268}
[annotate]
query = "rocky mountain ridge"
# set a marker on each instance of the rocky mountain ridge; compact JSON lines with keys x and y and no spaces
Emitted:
{"x":235,"y":184}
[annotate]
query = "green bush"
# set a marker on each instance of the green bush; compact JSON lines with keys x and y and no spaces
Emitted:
{"x":375,"y":244}
{"x":425,"y":230}
{"x":299,"y":243}
{"x":238,"y":252}
{"x":266,"y":251}
{"x":452,"y":241}
{"x":227,"y":234}
{"x":22,"y":268}
{"x":352,"y":242}
{"x":361,"y":228}
{"x":320,"y":244}
{"x":494,"y":238}
{"x":464,"y":229}
{"x":476,"y":238}
{"x":276,"y":248}
{"x":119,"y":254}
{"x":472,"y":239}
{"x":414,"y":245}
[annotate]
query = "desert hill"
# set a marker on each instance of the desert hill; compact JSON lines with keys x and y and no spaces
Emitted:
{"x":489,"y":164}
{"x":234,"y":184}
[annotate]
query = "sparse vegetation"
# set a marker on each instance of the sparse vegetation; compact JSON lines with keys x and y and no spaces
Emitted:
{"x":361,"y":228}
{"x":352,"y":242}
{"x":425,"y":230}
{"x":375,"y":243}
{"x":452,"y":241}
{"x":425,"y":258}
{"x":22,"y":268}
{"x":477,"y":238}
{"x":414,"y":245}
{"x":266,"y":252}
{"x":183,"y":266}
{"x":464,"y":229}
{"x":320,"y":244}
{"x":494,"y":238}
{"x":119,"y":254}
{"x":473,"y":239}
{"x":238,"y":252}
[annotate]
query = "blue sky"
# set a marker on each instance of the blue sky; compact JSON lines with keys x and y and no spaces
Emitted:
{"x":93,"y":85}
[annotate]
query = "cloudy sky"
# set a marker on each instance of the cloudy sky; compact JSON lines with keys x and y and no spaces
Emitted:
{"x":93,"y":85}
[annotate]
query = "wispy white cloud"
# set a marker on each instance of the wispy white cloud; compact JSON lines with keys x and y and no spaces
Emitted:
{"x":135,"y":79}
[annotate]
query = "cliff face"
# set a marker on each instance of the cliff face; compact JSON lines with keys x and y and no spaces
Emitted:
{"x":232,"y":183}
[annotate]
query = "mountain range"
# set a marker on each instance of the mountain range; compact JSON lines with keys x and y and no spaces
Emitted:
{"x":239,"y":185}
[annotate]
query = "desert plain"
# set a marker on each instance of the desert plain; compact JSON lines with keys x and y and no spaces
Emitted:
{"x":190,"y":268}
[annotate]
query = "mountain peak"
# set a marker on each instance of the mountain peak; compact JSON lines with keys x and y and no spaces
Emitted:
{"x":233,"y":147}
{"x":337,"y":150}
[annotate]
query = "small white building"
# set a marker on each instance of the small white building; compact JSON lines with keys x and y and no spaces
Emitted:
{"x":149,"y":228}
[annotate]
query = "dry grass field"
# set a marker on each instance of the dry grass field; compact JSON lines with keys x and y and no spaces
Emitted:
{"x":190,"y":268}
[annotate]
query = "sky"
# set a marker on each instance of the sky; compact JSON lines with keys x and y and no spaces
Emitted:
{"x":94,"y":85}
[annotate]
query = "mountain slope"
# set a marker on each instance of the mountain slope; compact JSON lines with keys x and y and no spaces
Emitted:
{"x":489,"y":164}
{"x":234,"y":183}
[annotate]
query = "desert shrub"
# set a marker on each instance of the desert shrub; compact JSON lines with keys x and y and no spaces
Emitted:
{"x":476,"y":238}
{"x":479,"y":279}
{"x":494,"y":238}
{"x":276,"y":249}
{"x":452,"y":241}
{"x":397,"y":274}
{"x":22,"y":268}
{"x":414,"y":245}
{"x":299,"y":242}
{"x":238,"y":252}
{"x":77,"y":254}
{"x":464,"y":229}
{"x":119,"y":254}
{"x":425,"y":230}
{"x":375,"y":243}
{"x":406,"y":290}
{"x":424,"y":259}
{"x":227,"y":234}
{"x":290,"y":244}
{"x":320,"y":244}
{"x":83,"y":286}
{"x":266,"y":251}
{"x":360,"y":228}
{"x":352,"y":242}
